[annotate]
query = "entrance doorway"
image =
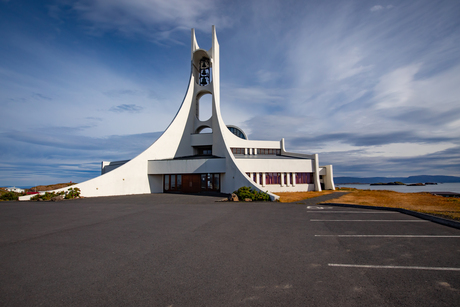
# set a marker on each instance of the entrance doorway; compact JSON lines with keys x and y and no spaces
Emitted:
{"x":191,"y":183}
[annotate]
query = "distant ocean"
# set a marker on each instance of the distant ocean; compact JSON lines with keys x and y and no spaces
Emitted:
{"x":440,"y":187}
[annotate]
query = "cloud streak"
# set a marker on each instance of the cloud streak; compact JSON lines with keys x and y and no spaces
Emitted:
{"x":157,"y":19}
{"x":131,"y":108}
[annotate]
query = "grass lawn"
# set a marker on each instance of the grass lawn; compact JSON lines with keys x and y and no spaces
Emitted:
{"x":288,"y":197}
{"x":447,"y":207}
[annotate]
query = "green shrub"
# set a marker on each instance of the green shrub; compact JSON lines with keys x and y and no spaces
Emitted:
{"x":247,"y":192}
{"x":9,"y":196}
{"x":35,"y":197}
{"x":46,"y":196}
{"x":72,"y":193}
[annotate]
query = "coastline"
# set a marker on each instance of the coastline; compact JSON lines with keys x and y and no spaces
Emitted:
{"x":440,"y":187}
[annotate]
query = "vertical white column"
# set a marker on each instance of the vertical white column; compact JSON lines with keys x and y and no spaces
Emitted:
{"x":255,"y":151}
{"x":282,"y":179}
{"x":257,"y":178}
{"x":263,"y":179}
{"x":293,"y":179}
{"x":288,"y":179}
{"x":249,"y":151}
{"x":316,"y":174}
{"x":245,"y":151}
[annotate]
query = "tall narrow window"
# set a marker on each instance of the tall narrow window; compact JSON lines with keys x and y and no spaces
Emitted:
{"x":166,"y":182}
{"x":203,"y":181}
{"x":217,"y":182}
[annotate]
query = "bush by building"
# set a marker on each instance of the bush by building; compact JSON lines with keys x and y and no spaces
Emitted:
{"x":247,"y":192}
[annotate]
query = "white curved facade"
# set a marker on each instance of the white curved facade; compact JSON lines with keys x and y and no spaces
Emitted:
{"x":182,"y":152}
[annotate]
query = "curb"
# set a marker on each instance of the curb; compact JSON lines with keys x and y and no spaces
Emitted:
{"x":435,"y":219}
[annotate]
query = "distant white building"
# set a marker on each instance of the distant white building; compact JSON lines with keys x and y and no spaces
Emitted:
{"x":14,"y":189}
{"x":201,"y":155}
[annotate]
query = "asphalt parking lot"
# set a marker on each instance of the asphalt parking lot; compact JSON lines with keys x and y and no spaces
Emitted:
{"x":182,"y":250}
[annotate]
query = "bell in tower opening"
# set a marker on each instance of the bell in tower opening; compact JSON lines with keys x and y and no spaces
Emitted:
{"x":205,"y":77}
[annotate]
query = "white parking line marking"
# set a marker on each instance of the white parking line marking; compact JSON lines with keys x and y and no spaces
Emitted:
{"x":392,"y":267}
{"x":388,"y":236}
{"x":318,"y":207}
{"x":405,"y":221}
{"x":354,"y":212}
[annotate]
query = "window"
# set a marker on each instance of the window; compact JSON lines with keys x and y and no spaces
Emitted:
{"x":203,"y":181}
{"x":210,"y":182}
{"x":166,"y":182}
{"x":237,"y":132}
{"x":204,"y":151}
{"x":185,"y":182}
{"x":273,"y":178}
{"x":268,"y":151}
{"x":238,"y":151}
{"x":172,"y":182}
{"x":304,"y":178}
{"x":179,"y":182}
{"x":217,"y":182}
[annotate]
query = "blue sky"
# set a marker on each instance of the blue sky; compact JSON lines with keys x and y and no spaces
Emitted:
{"x":371,"y":86}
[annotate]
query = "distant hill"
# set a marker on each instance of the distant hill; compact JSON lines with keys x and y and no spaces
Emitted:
{"x":40,"y":188}
{"x":410,"y":179}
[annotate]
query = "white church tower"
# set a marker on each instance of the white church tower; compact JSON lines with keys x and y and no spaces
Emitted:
{"x":196,"y":155}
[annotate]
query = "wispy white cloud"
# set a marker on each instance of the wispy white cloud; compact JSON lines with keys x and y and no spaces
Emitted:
{"x":376,"y":8}
{"x":131,"y":108}
{"x":401,"y":88}
{"x":254,"y":95}
{"x":157,"y":19}
{"x":397,"y":87}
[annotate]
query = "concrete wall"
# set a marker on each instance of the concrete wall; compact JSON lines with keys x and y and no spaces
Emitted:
{"x":192,"y":166}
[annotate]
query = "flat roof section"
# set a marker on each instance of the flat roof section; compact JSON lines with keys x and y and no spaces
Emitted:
{"x":238,"y":156}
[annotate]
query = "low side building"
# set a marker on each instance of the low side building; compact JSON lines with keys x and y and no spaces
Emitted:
{"x":14,"y":189}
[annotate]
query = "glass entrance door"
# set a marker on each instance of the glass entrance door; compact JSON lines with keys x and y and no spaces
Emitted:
{"x":191,"y":183}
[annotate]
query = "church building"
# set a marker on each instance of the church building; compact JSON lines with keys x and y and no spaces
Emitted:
{"x":196,"y":154}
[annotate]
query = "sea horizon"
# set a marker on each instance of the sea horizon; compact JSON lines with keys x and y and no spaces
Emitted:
{"x":439,"y":187}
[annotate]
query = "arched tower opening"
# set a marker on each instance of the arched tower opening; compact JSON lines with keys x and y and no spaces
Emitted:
{"x":202,"y":67}
{"x":204,"y":107}
{"x":204,"y":130}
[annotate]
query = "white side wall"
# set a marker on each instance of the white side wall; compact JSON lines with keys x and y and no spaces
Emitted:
{"x":275,"y":165}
